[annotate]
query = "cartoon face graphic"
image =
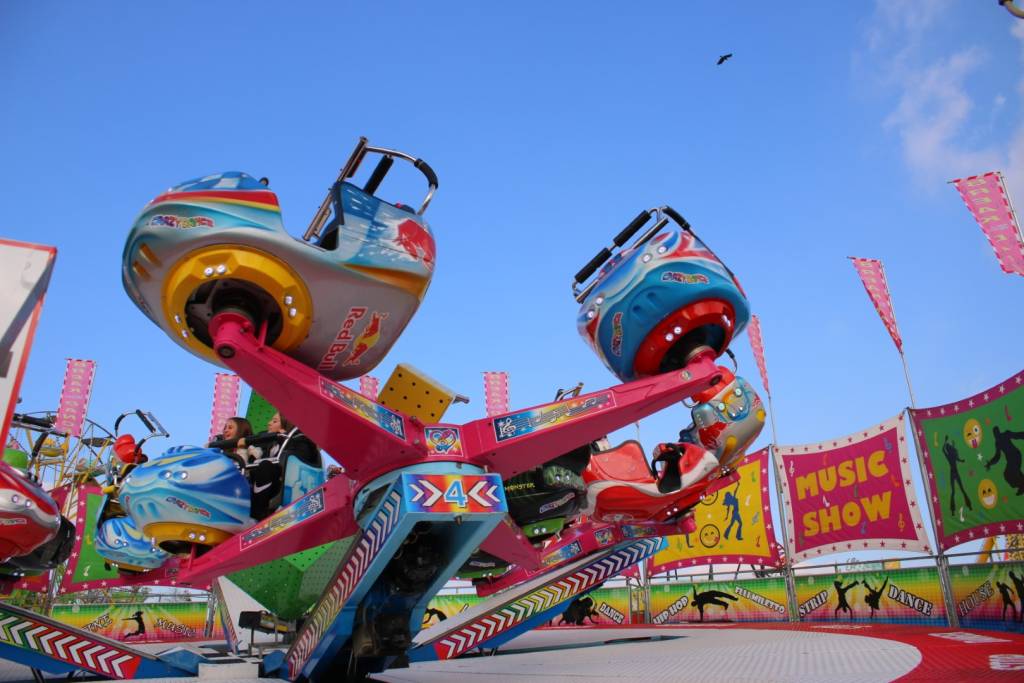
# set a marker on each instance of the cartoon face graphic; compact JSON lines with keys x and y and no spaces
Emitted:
{"x":987,"y":494}
{"x":709,"y":535}
{"x":972,"y":433}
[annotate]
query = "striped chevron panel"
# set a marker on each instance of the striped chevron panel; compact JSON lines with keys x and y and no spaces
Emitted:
{"x":345,"y":582}
{"x":70,"y":645}
{"x":583,"y":579}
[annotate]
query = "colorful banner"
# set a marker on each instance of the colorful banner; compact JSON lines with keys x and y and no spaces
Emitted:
{"x":850,"y":493}
{"x":972,"y":453}
{"x":988,"y":201}
{"x":74,"y":396}
{"x":733,"y":525}
{"x":872,"y":275}
{"x":904,"y":596}
{"x":141,"y":623}
{"x":225,"y":402}
{"x":757,"y":345}
{"x":496,"y":397}
{"x":601,"y":607}
{"x":86,"y":568}
{"x":989,"y":595}
{"x":718,"y":601}
{"x":369,"y":387}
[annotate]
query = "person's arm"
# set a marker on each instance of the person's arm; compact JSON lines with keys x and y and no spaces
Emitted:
{"x":995,"y":458}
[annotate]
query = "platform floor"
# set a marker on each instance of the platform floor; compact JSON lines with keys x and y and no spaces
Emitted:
{"x":719,"y":653}
{"x":802,"y":653}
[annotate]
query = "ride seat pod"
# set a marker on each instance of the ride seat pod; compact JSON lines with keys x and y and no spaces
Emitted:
{"x":187,"y":497}
{"x":655,"y":304}
{"x":29,"y":517}
{"x":336,"y":301}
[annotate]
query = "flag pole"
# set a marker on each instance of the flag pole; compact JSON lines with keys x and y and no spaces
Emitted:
{"x":899,"y":347}
{"x":1009,"y":203}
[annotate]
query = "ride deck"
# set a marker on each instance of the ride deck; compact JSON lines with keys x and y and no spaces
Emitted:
{"x":41,"y":643}
{"x":519,"y":609}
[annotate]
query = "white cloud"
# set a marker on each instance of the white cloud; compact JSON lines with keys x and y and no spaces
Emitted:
{"x":936,"y":115}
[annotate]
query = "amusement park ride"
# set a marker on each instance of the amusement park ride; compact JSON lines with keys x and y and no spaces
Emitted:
{"x":531,"y":505}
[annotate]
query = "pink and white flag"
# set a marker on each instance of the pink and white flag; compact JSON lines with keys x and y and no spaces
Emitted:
{"x":225,"y":401}
{"x":986,"y":197}
{"x":872,"y":275}
{"x":369,"y":387}
{"x":757,"y":345}
{"x":496,"y":393}
{"x":74,"y":396}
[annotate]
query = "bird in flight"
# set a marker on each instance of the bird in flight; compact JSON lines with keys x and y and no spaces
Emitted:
{"x":721,"y":60}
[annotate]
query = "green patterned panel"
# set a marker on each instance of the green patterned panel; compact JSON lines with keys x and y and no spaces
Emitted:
{"x":259,"y":412}
{"x":289,"y":586}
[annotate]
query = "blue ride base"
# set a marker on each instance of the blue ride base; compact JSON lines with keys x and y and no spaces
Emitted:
{"x":440,"y":510}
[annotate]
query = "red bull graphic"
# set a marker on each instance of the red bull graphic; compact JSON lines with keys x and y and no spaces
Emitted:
{"x":416,"y":242}
{"x":902,"y":596}
{"x":367,"y":339}
{"x":342,"y":340}
{"x":719,"y":601}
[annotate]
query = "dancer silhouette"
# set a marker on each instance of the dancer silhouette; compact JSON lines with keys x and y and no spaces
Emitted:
{"x":140,"y":629}
{"x":1008,"y":450}
{"x":711,"y":598}
{"x":841,"y":594}
{"x":1007,"y":594}
{"x":873,"y":597}
{"x":732,"y":508}
{"x":1018,"y":583}
{"x":578,"y":611}
{"x":949,"y":450}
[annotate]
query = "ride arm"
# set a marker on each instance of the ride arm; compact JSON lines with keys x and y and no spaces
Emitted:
{"x":283,"y":533}
{"x":336,"y":418}
{"x":517,"y":442}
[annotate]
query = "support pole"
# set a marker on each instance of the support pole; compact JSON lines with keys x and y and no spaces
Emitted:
{"x":787,"y":567}
{"x":941,"y":561}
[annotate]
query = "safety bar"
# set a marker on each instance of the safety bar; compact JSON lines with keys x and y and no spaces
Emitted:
{"x":381,"y":170}
{"x":148,"y":420}
{"x":661,"y":214}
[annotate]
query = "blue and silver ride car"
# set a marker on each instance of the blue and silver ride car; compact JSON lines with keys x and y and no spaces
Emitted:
{"x":655,"y":303}
{"x":188,"y":496}
{"x":119,"y":542}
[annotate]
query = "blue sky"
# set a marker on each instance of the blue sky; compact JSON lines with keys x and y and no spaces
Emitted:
{"x":830,"y":133}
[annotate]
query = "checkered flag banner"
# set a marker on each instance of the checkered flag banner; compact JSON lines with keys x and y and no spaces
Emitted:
{"x":496,"y":393}
{"x":988,"y":201}
{"x":757,"y":345}
{"x":872,"y":275}
{"x":226,"y":390}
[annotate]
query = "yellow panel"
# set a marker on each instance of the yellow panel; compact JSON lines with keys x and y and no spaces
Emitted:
{"x":412,"y":392}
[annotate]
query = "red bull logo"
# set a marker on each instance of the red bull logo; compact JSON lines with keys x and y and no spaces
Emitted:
{"x":343,"y":339}
{"x":417,"y":242}
{"x":367,"y":339}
